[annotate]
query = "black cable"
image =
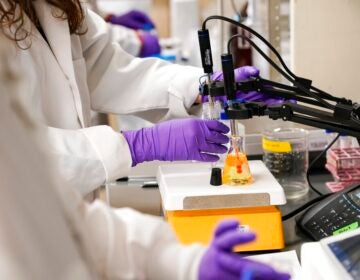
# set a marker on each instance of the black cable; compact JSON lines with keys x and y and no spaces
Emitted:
{"x":258,"y":49}
{"x":312,"y":164}
{"x":270,"y":47}
{"x":201,"y":78}
{"x":304,"y":206}
{"x":355,"y":118}
{"x":328,"y":95}
{"x":321,"y":196}
{"x":273,"y":64}
{"x":299,"y":85}
{"x":257,"y":35}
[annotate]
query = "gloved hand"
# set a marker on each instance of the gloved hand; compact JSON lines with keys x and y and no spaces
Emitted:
{"x":133,"y":19}
{"x":219,"y":261}
{"x":241,"y":74}
{"x":149,"y":44}
{"x":182,"y":139}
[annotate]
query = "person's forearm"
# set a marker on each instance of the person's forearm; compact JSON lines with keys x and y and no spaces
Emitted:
{"x":155,"y":84}
{"x":87,"y":158}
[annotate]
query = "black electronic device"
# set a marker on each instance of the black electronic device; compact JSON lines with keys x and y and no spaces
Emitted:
{"x":336,"y":214}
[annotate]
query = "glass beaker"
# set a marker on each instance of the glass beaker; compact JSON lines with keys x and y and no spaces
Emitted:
{"x":236,"y":167}
{"x":286,"y":156}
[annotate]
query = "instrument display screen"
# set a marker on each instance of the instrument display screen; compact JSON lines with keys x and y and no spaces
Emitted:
{"x":355,"y":196}
{"x":347,"y":251}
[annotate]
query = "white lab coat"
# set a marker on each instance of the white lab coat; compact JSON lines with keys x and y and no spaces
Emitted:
{"x":48,"y":232}
{"x":78,"y":73}
{"x":127,"y":38}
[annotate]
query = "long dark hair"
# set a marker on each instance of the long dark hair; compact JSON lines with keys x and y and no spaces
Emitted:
{"x":13,"y":17}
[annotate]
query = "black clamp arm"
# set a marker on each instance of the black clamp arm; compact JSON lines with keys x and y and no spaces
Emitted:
{"x":297,"y":107}
{"x":293,"y":112}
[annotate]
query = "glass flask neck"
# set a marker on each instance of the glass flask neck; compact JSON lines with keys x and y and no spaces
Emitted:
{"x":236,"y":144}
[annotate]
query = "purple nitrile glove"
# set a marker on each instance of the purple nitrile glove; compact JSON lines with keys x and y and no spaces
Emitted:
{"x":133,"y":19}
{"x":149,"y":44}
{"x":241,"y":74}
{"x":205,"y":98}
{"x":219,"y":261}
{"x":181,"y":139}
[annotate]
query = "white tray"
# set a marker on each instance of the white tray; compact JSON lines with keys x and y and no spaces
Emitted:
{"x":187,"y":187}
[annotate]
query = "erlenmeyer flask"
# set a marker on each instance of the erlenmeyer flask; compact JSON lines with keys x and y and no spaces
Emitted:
{"x":236,"y":169}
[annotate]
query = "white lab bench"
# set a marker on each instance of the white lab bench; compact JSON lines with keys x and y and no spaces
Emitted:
{"x":139,"y":192}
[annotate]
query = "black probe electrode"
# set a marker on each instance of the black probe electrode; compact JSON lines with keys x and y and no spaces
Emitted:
{"x":205,"y":51}
{"x":229,"y":76}
{"x":207,"y":64}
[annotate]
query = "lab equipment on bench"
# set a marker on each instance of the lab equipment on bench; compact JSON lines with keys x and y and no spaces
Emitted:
{"x":193,"y":207}
{"x":332,"y":258}
{"x":344,"y":252}
{"x":236,"y":166}
{"x":344,"y":165}
{"x":286,"y":155}
{"x":207,"y":63}
{"x":334,"y":215}
{"x":343,"y":159}
{"x":302,"y":102}
{"x":326,"y":111}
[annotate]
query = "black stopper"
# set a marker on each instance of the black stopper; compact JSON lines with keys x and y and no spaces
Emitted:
{"x":215,"y":179}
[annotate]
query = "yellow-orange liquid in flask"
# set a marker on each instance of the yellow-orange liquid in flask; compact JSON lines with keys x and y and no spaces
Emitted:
{"x":236,"y":169}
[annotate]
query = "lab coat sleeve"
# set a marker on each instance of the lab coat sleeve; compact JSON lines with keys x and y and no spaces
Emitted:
{"x":87,"y":158}
{"x":122,"y":84}
{"x":131,"y":245}
{"x":127,"y":38}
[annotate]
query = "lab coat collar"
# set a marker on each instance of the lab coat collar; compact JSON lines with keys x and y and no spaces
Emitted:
{"x":57,"y":34}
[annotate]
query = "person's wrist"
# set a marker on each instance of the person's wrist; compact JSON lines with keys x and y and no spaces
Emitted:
{"x":141,"y":39}
{"x":131,"y":139}
{"x":108,"y":17}
{"x":149,"y":44}
{"x":140,"y":144}
{"x":198,"y":99}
